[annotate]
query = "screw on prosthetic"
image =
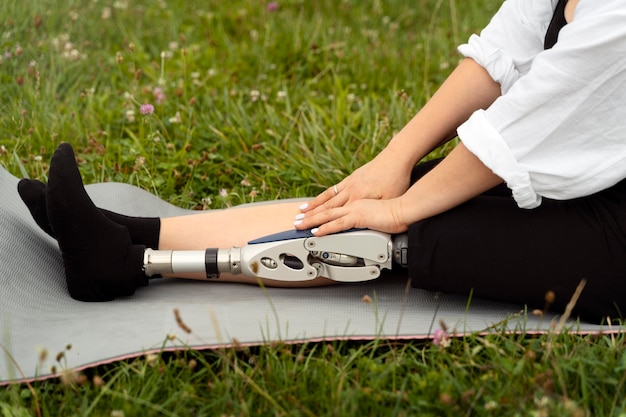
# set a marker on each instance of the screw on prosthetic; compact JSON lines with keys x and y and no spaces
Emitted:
{"x":351,"y":256}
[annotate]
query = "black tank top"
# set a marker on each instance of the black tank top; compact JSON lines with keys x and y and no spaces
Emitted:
{"x":556,"y":24}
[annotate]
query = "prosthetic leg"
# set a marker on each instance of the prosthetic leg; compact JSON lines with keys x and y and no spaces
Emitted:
{"x":352,"y":256}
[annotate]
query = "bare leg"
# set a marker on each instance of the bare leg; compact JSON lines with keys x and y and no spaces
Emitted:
{"x":228,"y":228}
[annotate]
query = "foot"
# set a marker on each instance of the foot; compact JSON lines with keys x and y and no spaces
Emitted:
{"x":100,"y":260}
{"x":33,"y":194}
{"x":143,"y":230}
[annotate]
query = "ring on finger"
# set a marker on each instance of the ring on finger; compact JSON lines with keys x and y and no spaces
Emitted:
{"x":335,"y":189}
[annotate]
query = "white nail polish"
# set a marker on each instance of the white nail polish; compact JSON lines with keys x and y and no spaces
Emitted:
{"x":297,"y":223}
{"x":304,"y":206}
{"x":315,"y":230}
{"x":300,"y":216}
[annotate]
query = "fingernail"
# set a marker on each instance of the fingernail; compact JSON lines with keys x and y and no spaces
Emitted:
{"x":297,"y":223}
{"x":315,"y":230}
{"x":304,"y":206}
{"x":300,"y":216}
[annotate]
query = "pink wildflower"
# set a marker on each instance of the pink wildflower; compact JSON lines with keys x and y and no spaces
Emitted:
{"x":146,"y":109}
{"x":223,"y":193}
{"x":441,"y":338}
{"x":159,"y":95}
{"x":272,"y":6}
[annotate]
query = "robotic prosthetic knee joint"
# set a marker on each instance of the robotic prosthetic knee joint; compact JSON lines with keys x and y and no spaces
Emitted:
{"x":351,"y":256}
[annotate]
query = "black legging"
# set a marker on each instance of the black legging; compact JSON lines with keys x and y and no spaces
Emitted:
{"x":499,"y":251}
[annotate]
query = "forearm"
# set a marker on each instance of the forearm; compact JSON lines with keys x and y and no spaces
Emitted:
{"x":466,"y":90}
{"x":460,"y":177}
{"x":375,"y":196}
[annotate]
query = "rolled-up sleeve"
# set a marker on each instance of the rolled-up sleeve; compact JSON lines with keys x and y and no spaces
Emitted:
{"x":559,"y":129}
{"x":507,"y":46}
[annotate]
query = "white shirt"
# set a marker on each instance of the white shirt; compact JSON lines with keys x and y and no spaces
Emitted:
{"x":559,"y":128}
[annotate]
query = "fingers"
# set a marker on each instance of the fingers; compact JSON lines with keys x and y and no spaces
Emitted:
{"x":331,"y":194}
{"x":382,"y":215}
{"x":328,"y":212}
{"x":325,"y":222}
{"x":329,"y":228}
{"x":310,"y":214}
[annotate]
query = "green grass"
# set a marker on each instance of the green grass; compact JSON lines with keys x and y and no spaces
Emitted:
{"x":261,"y":105}
{"x":492,"y":375}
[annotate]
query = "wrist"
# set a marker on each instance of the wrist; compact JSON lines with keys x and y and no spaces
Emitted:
{"x":399,"y":156}
{"x":403,"y":213}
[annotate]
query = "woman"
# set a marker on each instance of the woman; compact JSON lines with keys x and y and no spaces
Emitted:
{"x":538,"y":104}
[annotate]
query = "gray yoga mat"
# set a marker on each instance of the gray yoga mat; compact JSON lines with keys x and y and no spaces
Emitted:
{"x":36,"y":312}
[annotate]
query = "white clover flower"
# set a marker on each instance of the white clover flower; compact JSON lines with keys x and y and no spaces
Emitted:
{"x":176,"y":118}
{"x":491,"y":405}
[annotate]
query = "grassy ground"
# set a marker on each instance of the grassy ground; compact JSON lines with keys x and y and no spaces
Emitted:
{"x":253,"y":102}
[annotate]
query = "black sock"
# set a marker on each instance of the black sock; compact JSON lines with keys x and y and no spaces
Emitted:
{"x":143,"y":230}
{"x":100,"y":260}
{"x":33,"y":194}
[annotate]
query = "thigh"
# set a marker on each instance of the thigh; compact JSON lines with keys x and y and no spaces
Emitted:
{"x":496,"y":250}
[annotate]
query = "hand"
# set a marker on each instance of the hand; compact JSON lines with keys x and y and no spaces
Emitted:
{"x":386,"y":176}
{"x":382,"y":215}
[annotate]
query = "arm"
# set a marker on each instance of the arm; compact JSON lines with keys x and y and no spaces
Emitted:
{"x":467,"y":89}
{"x":458,"y":178}
{"x":558,"y":132}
